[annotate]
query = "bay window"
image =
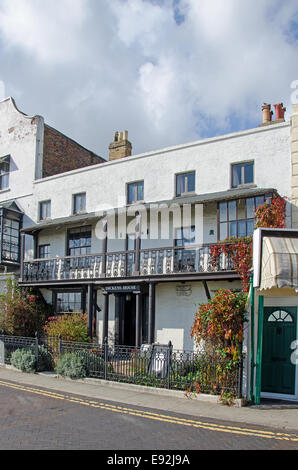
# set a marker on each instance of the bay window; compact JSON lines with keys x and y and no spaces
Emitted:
{"x":236,"y":218}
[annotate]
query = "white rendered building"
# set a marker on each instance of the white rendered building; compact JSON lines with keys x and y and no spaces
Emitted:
{"x":161,"y":211}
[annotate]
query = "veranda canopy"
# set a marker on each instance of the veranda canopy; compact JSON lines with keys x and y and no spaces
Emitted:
{"x":279,"y":267}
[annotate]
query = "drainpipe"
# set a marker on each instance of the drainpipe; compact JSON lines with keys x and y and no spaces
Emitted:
{"x":252,"y":337}
{"x":259,"y":350}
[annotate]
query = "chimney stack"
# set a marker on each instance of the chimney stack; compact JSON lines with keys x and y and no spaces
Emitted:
{"x":279,"y":112}
{"x":121,"y":147}
{"x":267,"y":113}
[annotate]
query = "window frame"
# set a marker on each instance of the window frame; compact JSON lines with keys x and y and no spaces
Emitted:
{"x":80,"y":229}
{"x":185,"y":174}
{"x":57,"y":292}
{"x":266,"y":196}
{"x":12,"y":241}
{"x":74,"y":196}
{"x":242,"y":165}
{"x":192,"y":229}
{"x":40,"y":206}
{"x":135,"y":184}
{"x":6,"y":161}
{"x":43,"y":246}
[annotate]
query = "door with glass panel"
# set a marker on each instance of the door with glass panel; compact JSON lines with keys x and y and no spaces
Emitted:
{"x":280,"y":330}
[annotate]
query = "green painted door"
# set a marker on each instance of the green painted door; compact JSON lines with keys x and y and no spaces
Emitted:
{"x":280,"y":329}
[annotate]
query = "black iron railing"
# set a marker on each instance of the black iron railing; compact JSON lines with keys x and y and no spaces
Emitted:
{"x":150,"y":365}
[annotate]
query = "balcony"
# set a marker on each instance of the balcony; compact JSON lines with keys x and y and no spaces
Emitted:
{"x":155,"y":263}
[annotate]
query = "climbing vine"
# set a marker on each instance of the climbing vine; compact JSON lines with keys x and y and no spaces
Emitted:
{"x":272,"y":215}
{"x":240,"y":252}
{"x":219,"y":323}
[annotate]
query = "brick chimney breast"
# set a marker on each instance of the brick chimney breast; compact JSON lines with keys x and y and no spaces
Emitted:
{"x":120,"y":147}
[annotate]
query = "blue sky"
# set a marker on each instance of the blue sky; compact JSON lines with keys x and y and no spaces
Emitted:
{"x":168,"y":71}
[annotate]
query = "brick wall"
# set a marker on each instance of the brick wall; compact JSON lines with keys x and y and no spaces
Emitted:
{"x":60,"y":154}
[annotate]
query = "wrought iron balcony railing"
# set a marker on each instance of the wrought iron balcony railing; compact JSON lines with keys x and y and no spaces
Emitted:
{"x":123,"y":264}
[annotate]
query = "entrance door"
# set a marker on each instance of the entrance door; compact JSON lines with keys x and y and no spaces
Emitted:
{"x":125,"y":319}
{"x":129,"y":320}
{"x":280,"y":329}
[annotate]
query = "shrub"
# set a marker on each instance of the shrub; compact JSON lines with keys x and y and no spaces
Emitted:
{"x":45,"y":359}
{"x":22,"y":313}
{"x":93,"y":362}
{"x":71,"y":327}
{"x":71,"y":365}
{"x":23,"y":359}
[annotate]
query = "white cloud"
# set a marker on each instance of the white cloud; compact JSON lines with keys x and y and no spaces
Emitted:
{"x":97,"y":67}
{"x":156,"y":84}
{"x":46,"y":29}
{"x":141,"y":21}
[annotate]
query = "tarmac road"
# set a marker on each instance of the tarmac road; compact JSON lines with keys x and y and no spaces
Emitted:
{"x":40,"y":413}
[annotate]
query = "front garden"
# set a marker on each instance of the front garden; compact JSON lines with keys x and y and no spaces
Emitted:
{"x":166,"y":368}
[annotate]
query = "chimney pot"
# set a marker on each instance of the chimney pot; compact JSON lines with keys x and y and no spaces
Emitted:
{"x":267,"y":113}
{"x":279,"y":111}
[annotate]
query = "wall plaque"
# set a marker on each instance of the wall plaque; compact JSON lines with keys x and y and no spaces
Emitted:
{"x":183,"y":290}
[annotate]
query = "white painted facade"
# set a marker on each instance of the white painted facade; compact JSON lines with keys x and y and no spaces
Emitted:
{"x":211,"y":159}
{"x":105,"y":185}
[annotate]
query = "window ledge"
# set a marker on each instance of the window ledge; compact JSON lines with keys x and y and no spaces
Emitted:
{"x":136,"y":202}
{"x":5,"y":190}
{"x":244,"y":186}
{"x":79,"y":213}
{"x":190,"y":193}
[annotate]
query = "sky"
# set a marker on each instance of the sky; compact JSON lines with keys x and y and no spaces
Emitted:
{"x":167,"y":71}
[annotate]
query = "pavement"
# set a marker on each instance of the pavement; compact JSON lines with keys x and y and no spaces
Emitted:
{"x":269,"y":413}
